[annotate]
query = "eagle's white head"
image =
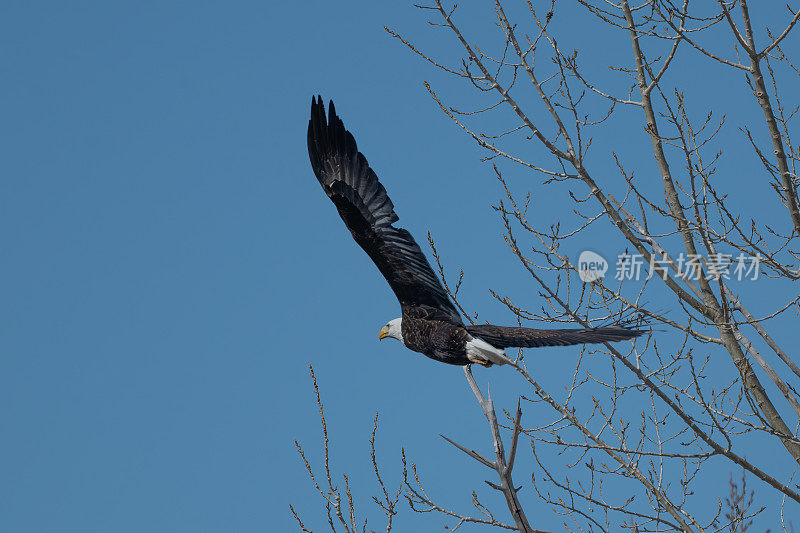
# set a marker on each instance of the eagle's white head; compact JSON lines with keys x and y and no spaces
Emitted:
{"x":392,"y":330}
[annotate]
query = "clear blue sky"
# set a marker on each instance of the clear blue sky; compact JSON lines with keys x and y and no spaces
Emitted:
{"x":171,"y":267}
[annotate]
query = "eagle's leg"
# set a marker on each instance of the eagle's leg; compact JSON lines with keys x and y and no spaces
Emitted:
{"x":481,"y":352}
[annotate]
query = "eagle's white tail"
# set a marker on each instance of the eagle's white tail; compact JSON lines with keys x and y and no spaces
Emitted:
{"x":481,"y":352}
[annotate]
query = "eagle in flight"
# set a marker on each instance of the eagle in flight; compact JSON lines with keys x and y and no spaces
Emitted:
{"x":430,"y":323}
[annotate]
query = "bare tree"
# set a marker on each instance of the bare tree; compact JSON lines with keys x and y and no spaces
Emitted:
{"x":716,"y":385}
{"x":339,"y":513}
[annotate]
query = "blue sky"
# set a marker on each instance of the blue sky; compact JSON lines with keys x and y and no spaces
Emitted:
{"x":171,"y":266}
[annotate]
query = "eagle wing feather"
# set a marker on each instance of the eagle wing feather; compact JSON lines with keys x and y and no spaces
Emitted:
{"x":369,"y":214}
{"x":517,"y":337}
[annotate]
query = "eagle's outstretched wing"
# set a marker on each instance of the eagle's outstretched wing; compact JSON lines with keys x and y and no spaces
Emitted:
{"x":508,"y":337}
{"x":368,"y":213}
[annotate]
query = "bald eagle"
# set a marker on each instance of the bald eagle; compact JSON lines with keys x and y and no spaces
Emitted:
{"x":430,"y":323}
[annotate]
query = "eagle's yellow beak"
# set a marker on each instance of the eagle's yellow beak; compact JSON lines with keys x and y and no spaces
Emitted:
{"x":383,"y":333}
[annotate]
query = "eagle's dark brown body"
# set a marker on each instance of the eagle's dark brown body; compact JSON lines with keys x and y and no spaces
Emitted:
{"x":435,"y":336}
{"x":428,"y":332}
{"x":431,"y":324}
